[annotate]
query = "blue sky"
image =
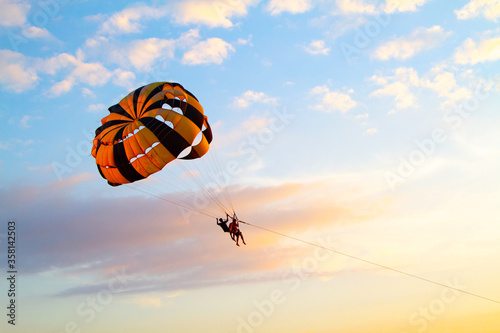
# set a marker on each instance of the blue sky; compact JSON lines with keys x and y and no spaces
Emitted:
{"x":369,"y":126}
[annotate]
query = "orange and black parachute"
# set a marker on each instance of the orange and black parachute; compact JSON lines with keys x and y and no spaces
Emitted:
{"x":149,"y":128}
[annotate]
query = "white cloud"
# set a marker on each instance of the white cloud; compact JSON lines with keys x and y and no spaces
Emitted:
{"x":392,"y":6}
{"x":188,"y":38}
{"x":14,"y":142}
{"x":61,"y":87}
{"x":276,"y":7}
{"x":27,"y":119}
{"x":355,"y":7}
{"x":56,"y":63}
{"x":127,"y":21}
{"x":243,"y":41}
{"x":17,"y":75}
{"x":317,"y":47}
{"x":143,"y":53}
{"x":250,"y":97}
{"x":96,"y":41}
{"x":5,"y":145}
{"x":95,"y":108}
{"x":148,"y":301}
{"x":332,"y":100}
{"x":146,"y":54}
{"x":398,"y":86}
{"x":123,"y":78}
{"x":37,"y":32}
{"x":400,"y":91}
{"x":24,"y":121}
{"x":471,"y":52}
{"x":213,"y":50}
{"x":371,"y":7}
{"x":20,"y":73}
{"x":342,"y":25}
{"x":87,"y":92}
{"x":488,"y":8}
{"x":213,"y":13}
{"x":439,"y":80}
{"x":255,"y":123}
{"x":371,"y":131}
{"x":13,"y":12}
{"x":99,"y":17}
{"x":93,"y":74}
{"x":445,"y":85}
{"x":407,"y":46}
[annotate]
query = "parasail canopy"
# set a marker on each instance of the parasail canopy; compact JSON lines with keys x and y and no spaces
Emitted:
{"x":150,"y":127}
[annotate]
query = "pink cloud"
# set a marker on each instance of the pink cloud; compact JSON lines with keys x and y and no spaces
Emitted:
{"x":147,"y":237}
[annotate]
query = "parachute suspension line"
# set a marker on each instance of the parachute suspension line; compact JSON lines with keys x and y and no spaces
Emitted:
{"x":372,"y":263}
{"x":215,"y":161}
{"x":210,"y":195}
{"x":211,"y":162}
{"x":174,"y":202}
{"x":155,"y":192}
{"x":170,"y":178}
{"x":207,"y":192}
{"x":187,"y":190}
{"x":209,"y":177}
